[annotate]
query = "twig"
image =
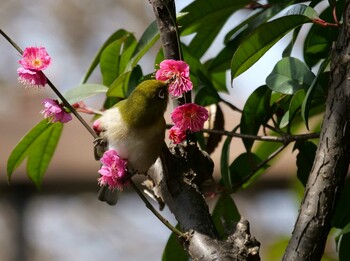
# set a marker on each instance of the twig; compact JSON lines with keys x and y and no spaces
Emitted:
{"x":257,"y":167}
{"x":284,"y":138}
{"x":155,"y":212}
{"x":55,"y":90}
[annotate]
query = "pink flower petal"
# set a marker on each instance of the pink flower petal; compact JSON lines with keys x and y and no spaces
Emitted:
{"x":31,"y":78}
{"x":176,"y":135}
{"x":55,"y":112}
{"x":179,"y":72}
{"x":190,"y":116}
{"x":35,"y":58}
{"x":113,"y":172}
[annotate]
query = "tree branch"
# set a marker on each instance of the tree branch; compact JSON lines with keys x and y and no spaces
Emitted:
{"x":332,"y":158}
{"x":178,"y":180}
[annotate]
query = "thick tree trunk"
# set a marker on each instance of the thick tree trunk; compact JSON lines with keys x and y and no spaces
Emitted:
{"x":332,"y":159}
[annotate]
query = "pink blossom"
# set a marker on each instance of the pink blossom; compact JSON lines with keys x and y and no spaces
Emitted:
{"x":176,"y":135}
{"x":55,"y":112}
{"x":34,"y":61}
{"x":35,"y":58}
{"x":189,"y":116}
{"x":113,"y":172}
{"x":97,"y":126}
{"x":31,"y":78}
{"x":179,"y":72}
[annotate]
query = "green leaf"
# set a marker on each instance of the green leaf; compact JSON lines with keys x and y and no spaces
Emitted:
{"x":200,"y":14}
{"x":306,"y":106}
{"x":42,"y":151}
{"x":38,"y":145}
{"x":225,"y":215}
{"x":224,"y":163}
{"x":255,"y":113}
{"x":204,"y":38}
{"x":117,"y":88}
{"x":294,"y":106}
{"x":116,"y":35}
{"x":207,"y":94}
{"x":289,"y":75}
{"x":147,"y":40}
{"x":318,"y":41}
{"x":244,"y":166}
{"x":213,"y":139}
{"x":206,"y":19}
{"x":84,"y":91}
{"x":266,"y":35}
{"x":233,"y":38}
{"x":344,"y":249}
{"x":342,"y":211}
{"x":114,"y":58}
{"x":173,"y":250}
{"x":305,"y":159}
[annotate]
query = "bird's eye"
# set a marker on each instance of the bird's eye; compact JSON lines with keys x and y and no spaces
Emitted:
{"x":161,"y":94}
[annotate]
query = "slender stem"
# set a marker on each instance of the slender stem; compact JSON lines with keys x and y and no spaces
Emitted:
{"x":11,"y":42}
{"x":155,"y":212}
{"x":72,"y":109}
{"x":285,"y":138}
{"x":55,"y":90}
{"x":257,"y":167}
{"x":232,"y":107}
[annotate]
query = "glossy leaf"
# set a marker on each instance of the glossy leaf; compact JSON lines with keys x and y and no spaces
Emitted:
{"x":207,"y":18}
{"x":38,"y":145}
{"x":200,"y":14}
{"x":119,"y":86}
{"x":207,"y":94}
{"x":342,"y":211}
{"x":305,"y":108}
{"x":289,"y":75}
{"x":84,"y":91}
{"x":344,"y":249}
{"x":42,"y":151}
{"x":149,"y":37}
{"x":255,"y":113}
{"x":173,"y":250}
{"x":294,"y":107}
{"x":116,"y":35}
{"x":233,"y":38}
{"x":225,"y":164}
{"x":266,"y":35}
{"x":305,"y":159}
{"x":213,"y":139}
{"x":318,"y":41}
{"x":243,"y":169}
{"x":225,"y":215}
{"x":115,"y":57}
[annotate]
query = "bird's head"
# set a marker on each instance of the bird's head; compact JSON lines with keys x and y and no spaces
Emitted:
{"x":146,"y":104}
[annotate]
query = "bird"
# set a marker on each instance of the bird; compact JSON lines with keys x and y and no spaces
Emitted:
{"x":135,"y":128}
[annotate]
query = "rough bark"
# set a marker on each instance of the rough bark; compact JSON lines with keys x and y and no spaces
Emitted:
{"x":332,"y":158}
{"x":181,"y":177}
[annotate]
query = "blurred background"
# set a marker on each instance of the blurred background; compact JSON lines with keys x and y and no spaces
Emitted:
{"x":64,"y":220}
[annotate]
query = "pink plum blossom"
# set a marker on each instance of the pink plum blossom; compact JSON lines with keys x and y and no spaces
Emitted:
{"x":55,"y":112}
{"x":113,"y":172}
{"x":31,"y":78}
{"x":189,"y":116}
{"x":97,"y":126}
{"x":176,"y":135}
{"x":34,"y":61}
{"x":35,"y":58}
{"x":178,"y":72}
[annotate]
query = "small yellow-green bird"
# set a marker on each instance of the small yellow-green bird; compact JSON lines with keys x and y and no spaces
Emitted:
{"x":135,"y":128}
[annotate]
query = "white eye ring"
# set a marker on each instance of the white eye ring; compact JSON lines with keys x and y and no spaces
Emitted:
{"x":161,"y":94}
